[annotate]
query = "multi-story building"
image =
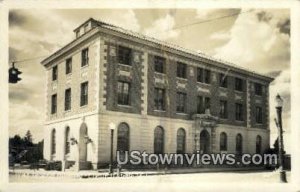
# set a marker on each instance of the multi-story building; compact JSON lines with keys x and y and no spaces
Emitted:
{"x":161,"y":97}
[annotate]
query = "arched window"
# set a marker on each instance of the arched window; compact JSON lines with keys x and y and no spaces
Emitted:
{"x":53,"y":142}
{"x":258,"y":144}
{"x":67,"y":140}
{"x":239,"y":144}
{"x":181,"y":140}
{"x":123,"y":138}
{"x":223,"y":142}
{"x":159,"y":140}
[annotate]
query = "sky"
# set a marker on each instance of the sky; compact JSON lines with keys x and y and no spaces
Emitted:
{"x":257,"y":39}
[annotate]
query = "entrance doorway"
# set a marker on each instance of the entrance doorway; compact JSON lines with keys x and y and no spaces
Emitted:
{"x":204,"y":142}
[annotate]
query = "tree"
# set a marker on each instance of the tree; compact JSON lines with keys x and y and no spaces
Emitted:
{"x":28,"y":139}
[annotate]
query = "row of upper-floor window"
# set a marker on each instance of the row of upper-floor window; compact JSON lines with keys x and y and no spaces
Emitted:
{"x":124,"y":57}
{"x":83,"y":101}
{"x":159,"y":98}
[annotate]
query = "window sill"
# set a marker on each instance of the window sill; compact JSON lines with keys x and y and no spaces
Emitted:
{"x":84,"y":67}
{"x":67,"y":111}
{"x":83,"y":106}
{"x":160,"y":111}
{"x":238,"y":91}
{"x":181,"y":113}
{"x":181,"y":78}
{"x":125,"y":65}
{"x":203,"y":83}
{"x":69,"y":74}
{"x":224,"y":118}
{"x":126,"y":106}
{"x":240,"y":121}
{"x":224,"y":88}
{"x":159,"y":73}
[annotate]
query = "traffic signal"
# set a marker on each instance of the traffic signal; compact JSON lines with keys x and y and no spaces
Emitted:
{"x":13,"y":74}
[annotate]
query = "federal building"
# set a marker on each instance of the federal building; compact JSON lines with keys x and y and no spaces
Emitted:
{"x":160,"y":97}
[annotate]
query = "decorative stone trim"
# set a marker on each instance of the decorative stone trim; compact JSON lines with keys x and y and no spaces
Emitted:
{"x":124,"y":73}
{"x":249,"y":85}
{"x":202,"y":89}
{"x":144,"y":84}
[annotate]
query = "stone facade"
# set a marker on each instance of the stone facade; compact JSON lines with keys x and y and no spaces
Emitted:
{"x":103,"y":73}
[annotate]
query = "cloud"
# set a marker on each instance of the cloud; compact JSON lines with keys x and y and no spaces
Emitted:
{"x":256,"y":42}
{"x":162,"y":28}
{"x":260,"y":41}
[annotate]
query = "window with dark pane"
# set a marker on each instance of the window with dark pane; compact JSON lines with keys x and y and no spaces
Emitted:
{"x":54,"y":73}
{"x":223,"y":109}
{"x":68,"y":99}
{"x":223,"y":80}
{"x":84,"y":57}
{"x":239,"y":116}
{"x":181,"y":102}
{"x":223,"y":142}
{"x":181,"y":70}
{"x":123,"y":138}
{"x":238,"y":84}
{"x":54,"y":104}
{"x":69,"y":66}
{"x":124,"y":55}
{"x":67,"y":141}
{"x":158,"y":140}
{"x":258,"y":89}
{"x":159,"y":99}
{"x":180,"y":141}
{"x":159,"y":64}
{"x":123,"y":93}
{"x":259,"y":115}
{"x":84,"y":91}
{"x":239,"y":144}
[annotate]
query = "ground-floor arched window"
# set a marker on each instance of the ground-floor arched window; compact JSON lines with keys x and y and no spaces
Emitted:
{"x":53,"y":141}
{"x":181,"y":140}
{"x":123,"y":138}
{"x":223,"y":141}
{"x":258,"y":144}
{"x":239,"y":144}
{"x":67,"y":140}
{"x":159,"y":140}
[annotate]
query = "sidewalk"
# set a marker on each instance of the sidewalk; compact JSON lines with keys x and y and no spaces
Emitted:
{"x":103,"y":173}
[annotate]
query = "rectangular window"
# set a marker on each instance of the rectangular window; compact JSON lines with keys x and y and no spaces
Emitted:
{"x":159,"y":64}
{"x":123,"y":93}
{"x":258,"y":89}
{"x":181,"y":70}
{"x":238,"y":84}
{"x":68,"y":99}
{"x":258,"y":115}
{"x":223,"y":80}
{"x":84,"y":57}
{"x":69,"y":66}
{"x":223,"y":109}
{"x":84,"y":91}
{"x":239,"y":116}
{"x":54,"y":104}
{"x":203,"y":75}
{"x":200,"y":106}
{"x":181,"y":102}
{"x":54,"y":73}
{"x":124,"y":55}
{"x":159,"y":99}
{"x":203,"y":103}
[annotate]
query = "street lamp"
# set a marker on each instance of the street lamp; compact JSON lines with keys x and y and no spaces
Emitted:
{"x":279,"y":104}
{"x":112,"y":127}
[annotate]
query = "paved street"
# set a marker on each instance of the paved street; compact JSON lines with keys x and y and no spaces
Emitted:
{"x":224,"y":177}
